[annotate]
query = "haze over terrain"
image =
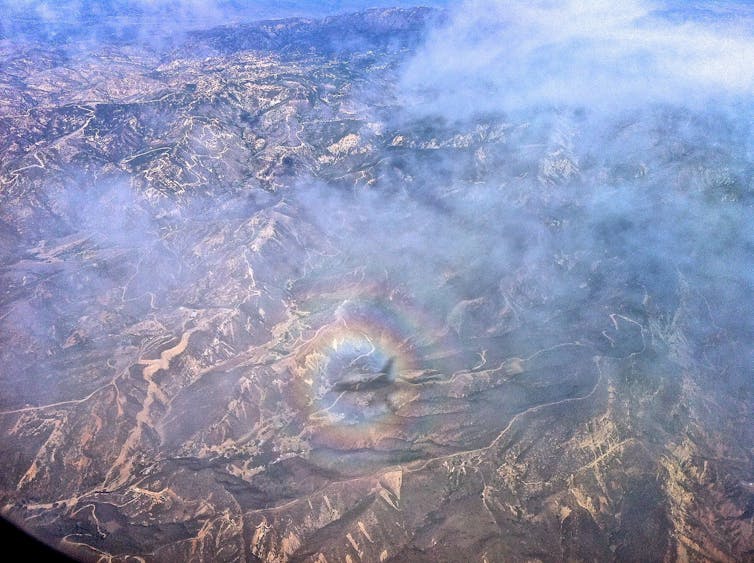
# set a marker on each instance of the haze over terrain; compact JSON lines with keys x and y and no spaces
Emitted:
{"x":378,"y":283}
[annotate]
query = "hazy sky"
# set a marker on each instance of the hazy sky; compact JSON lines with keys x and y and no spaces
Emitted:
{"x":199,"y":11}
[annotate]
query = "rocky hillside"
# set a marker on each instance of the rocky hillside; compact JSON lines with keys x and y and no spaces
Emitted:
{"x":253,"y":308}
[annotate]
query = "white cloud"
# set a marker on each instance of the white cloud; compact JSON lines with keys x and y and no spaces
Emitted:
{"x":513,"y":54}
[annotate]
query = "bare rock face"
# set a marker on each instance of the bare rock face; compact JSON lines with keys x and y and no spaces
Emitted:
{"x":255,"y":308}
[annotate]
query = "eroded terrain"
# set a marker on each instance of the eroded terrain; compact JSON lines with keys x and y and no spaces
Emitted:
{"x":253,"y":310}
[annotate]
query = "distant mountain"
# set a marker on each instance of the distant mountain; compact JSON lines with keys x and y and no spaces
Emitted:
{"x":355,"y":32}
{"x":142,"y":21}
{"x":255,"y":305}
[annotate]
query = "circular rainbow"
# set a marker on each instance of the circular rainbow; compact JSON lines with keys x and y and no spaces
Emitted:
{"x":362,"y":328}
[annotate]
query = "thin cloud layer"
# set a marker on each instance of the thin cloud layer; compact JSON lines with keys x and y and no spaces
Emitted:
{"x":503,"y":55}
